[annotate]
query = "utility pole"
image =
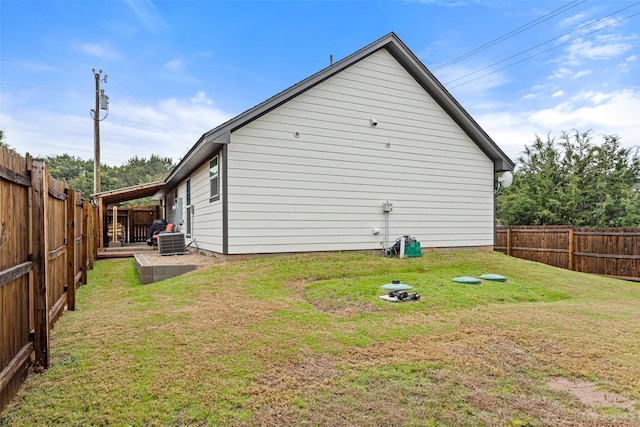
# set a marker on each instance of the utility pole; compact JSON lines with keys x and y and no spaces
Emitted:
{"x":102,"y":102}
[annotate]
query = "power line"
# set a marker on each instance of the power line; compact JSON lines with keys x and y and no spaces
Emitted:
{"x":47,"y":65}
{"x":512,"y":33}
{"x":42,"y":64}
{"x":24,"y":61}
{"x":547,"y":42}
{"x":542,"y":52}
{"x":45,"y":88}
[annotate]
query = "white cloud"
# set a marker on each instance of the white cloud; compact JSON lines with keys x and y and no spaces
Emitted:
{"x":573,"y":20}
{"x":603,"y":47}
{"x":626,"y":65}
{"x":557,"y":94}
{"x":581,"y":74}
{"x":168,"y":129}
{"x":601,"y":24}
{"x":561,"y":73}
{"x":174,"y":64}
{"x":567,"y":73}
{"x":99,"y":50}
{"x":201,"y":98}
{"x":148,"y":15}
{"x":601,"y":112}
{"x":447,"y":3}
{"x":596,"y":110}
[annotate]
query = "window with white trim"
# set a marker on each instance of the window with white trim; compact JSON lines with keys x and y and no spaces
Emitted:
{"x":214,"y":185}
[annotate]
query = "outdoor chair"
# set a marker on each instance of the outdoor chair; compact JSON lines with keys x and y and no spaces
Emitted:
{"x":168,"y":229}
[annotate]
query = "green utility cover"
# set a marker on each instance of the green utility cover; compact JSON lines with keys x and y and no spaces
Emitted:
{"x":467,"y":280}
{"x":412,"y":250}
{"x":493,"y":277}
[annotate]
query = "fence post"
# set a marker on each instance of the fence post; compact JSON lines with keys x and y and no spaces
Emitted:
{"x":99,"y":226}
{"x":570,"y":261}
{"x":71,"y":249}
{"x":40,"y":240}
{"x":509,"y":240}
{"x":84,"y":263}
{"x":91,"y":236}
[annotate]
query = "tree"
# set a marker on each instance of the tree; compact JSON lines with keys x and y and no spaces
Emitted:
{"x":140,"y":170}
{"x":79,"y":173}
{"x":3,"y":144}
{"x":573,"y":181}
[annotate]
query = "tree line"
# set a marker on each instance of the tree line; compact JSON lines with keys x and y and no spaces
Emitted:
{"x":79,"y":173}
{"x":137,"y":170}
{"x":568,"y":180}
{"x":573,"y":180}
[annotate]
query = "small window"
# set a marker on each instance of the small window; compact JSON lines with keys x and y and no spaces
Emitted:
{"x":213,"y":179}
{"x":188,"y":192}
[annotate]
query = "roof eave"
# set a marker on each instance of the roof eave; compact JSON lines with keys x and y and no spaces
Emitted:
{"x":442,"y":96}
{"x":211,"y":141}
{"x":222,"y":133}
{"x":206,"y":147}
{"x":129,"y":193}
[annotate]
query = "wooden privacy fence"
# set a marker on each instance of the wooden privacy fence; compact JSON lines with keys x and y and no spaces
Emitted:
{"x":613,"y":252}
{"x":47,"y":244}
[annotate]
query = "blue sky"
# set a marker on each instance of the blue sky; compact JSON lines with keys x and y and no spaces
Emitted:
{"x":179,"y":68}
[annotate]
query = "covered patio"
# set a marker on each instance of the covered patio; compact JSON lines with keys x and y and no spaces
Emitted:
{"x":123,"y":230}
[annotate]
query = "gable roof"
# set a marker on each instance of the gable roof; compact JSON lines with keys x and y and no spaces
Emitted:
{"x":211,"y":141}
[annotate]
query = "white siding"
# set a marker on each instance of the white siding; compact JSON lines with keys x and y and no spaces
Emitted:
{"x":207,"y":218}
{"x":323,"y":190}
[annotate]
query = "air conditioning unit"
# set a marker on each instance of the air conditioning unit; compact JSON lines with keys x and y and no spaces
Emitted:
{"x":171,"y":243}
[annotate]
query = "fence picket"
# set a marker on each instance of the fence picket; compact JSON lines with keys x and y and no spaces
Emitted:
{"x":613,"y":252}
{"x":41,"y":229}
{"x":39,"y":185}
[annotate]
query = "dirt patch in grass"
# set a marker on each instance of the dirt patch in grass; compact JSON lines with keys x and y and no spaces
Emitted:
{"x":340,"y":306}
{"x":475,"y":373}
{"x":278,"y":397}
{"x":487,"y":375}
{"x":588,"y":393}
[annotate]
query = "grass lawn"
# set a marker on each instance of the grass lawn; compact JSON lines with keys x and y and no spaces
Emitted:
{"x":304,"y":340}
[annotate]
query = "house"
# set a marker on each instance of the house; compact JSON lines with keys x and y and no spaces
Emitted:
{"x":310,"y":168}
